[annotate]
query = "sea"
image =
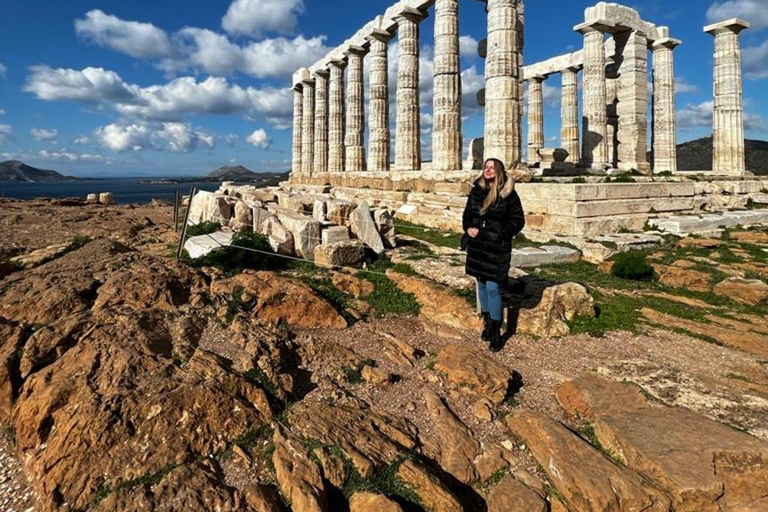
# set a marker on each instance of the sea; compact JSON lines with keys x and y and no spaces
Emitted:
{"x":124,"y":190}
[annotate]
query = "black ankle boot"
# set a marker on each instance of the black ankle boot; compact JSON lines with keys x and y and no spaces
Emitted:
{"x":497,"y":341}
{"x":486,"y":326}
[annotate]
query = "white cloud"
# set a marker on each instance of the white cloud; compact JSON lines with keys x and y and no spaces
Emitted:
{"x":754,"y":11}
{"x":2,"y":112}
{"x":68,"y":156}
{"x":280,"y":57}
{"x":139,"y":40}
{"x":256,"y":17}
{"x":3,"y":70}
{"x":259,"y":138}
{"x":172,"y":137}
{"x":701,"y":115}
{"x":683,"y":87}
{"x":468,"y":47}
{"x":42,"y":134}
{"x":5,"y":131}
{"x":756,"y":61}
{"x":83,"y":140}
{"x":169,"y":102}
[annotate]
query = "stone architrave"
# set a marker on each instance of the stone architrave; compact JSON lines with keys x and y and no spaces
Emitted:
{"x":408,"y":130}
{"x":446,"y":130}
{"x":664,"y":115}
{"x":633,"y":101}
{"x":594,"y":133}
{"x":502,"y":75}
{"x":321,"y":122}
{"x":728,"y":130}
{"x":298,"y":105}
{"x":378,"y":121}
{"x":336,"y":117}
{"x":569,"y":112}
{"x":308,"y":128}
{"x":535,"y":118}
{"x":354,"y":138}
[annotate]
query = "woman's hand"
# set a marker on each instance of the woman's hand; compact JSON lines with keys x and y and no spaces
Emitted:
{"x":472,"y":232}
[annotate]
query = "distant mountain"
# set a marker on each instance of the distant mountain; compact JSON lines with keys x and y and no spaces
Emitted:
{"x":234,"y":173}
{"x":13,"y":170}
{"x":696,"y":155}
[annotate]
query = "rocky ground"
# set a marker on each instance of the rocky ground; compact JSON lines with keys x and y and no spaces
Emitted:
{"x":129,"y":382}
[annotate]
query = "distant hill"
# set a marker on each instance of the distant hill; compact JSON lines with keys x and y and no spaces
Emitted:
{"x":233,"y":173}
{"x":15,"y":171}
{"x":696,"y":155}
{"x":236,"y":173}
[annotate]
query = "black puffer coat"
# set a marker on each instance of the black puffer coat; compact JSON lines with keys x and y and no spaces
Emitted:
{"x":490,"y":253}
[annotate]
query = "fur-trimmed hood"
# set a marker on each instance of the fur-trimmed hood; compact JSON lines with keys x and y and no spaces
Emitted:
{"x":506,"y":190}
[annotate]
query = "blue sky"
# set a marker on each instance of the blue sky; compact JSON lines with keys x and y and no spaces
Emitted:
{"x":107,"y":88}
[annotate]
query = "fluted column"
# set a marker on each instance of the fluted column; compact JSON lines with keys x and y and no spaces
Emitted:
{"x":664,"y":115}
{"x":336,"y":117}
{"x":408,"y":130}
{"x":728,"y":130}
{"x":321,"y":122}
{"x":502,"y":75}
{"x":535,"y":118}
{"x":354,"y":138}
{"x":446,"y":132}
{"x":298,"y":105}
{"x":633,"y":101}
{"x":594,"y":141}
{"x":378,"y":122}
{"x":613,"y":62}
{"x":308,"y":128}
{"x":569,"y":113}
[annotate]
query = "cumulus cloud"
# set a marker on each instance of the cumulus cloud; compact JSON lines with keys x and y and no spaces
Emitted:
{"x":83,"y":140}
{"x":254,"y":18}
{"x":683,"y":87}
{"x":701,"y":115}
{"x":41,"y":134}
{"x":68,"y":156}
{"x":259,"y":138}
{"x":754,"y":11}
{"x":173,"y":137}
{"x":755,"y":60}
{"x":468,"y":47}
{"x":168,"y":102}
{"x":5,"y":131}
{"x":3,"y":70}
{"x":139,"y":40}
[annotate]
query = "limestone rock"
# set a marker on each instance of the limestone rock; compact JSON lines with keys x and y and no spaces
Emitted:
{"x":451,"y":443}
{"x":106,"y":198}
{"x":280,"y":238}
{"x":339,"y":211}
{"x":367,"y":502}
{"x":320,"y":208}
{"x":276,"y":299}
{"x":40,"y":256}
{"x":385,"y":223}
{"x":335,"y":234}
{"x":683,"y":278}
{"x":291,"y":202}
{"x":750,"y":237}
{"x":439,"y":304}
{"x":92,"y":199}
{"x":298,"y":477}
{"x":243,"y":217}
{"x":433,"y":493}
{"x":260,"y":216}
{"x":209,"y":207}
{"x":376,"y":376}
{"x":706,"y":243}
{"x":703,"y":465}
{"x":747,"y":291}
{"x":559,"y":303}
{"x":333,"y":466}
{"x":341,"y":254}
{"x":263,"y":498}
{"x":305,"y":231}
{"x":11,"y":342}
{"x":586,"y":478}
{"x":474,"y":368}
{"x":352,"y":285}
{"x":364,"y":228}
{"x":511,"y":494}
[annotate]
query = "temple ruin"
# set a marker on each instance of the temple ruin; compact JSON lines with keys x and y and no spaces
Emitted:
{"x":572,"y":194}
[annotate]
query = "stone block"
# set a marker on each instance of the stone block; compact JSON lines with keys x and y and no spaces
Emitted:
{"x":242,"y":219}
{"x":684,"y":224}
{"x":106,"y":198}
{"x":199,"y":246}
{"x":385,"y":223}
{"x":340,"y":254}
{"x":364,"y":228}
{"x":291,"y":202}
{"x":334,"y":234}
{"x":529,"y":257}
{"x":260,"y":216}
{"x":320,"y":207}
{"x":92,"y":199}
{"x":338,"y":211}
{"x":305,"y":231}
{"x":210,"y":207}
{"x":280,"y":238}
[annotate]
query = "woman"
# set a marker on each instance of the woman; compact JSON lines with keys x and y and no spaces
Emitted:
{"x":493,"y":216}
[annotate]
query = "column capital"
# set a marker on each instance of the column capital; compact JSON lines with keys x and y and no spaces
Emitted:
{"x":356,"y":50}
{"x":410,"y":14}
{"x":337,"y":63}
{"x":572,"y":69}
{"x":379,"y":35}
{"x":297,"y":88}
{"x":322,"y":73}
{"x":668,"y":43}
{"x":734,"y":25}
{"x":308,"y":81}
{"x":539,"y":79}
{"x":590,"y":27}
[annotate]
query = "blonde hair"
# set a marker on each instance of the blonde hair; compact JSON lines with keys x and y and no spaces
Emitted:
{"x":492,"y":188}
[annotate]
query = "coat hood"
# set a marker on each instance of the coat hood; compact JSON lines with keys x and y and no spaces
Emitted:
{"x":506,"y":190}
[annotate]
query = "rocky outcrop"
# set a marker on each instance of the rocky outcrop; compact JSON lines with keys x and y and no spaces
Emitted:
{"x":40,"y":256}
{"x":512,"y":494}
{"x":588,"y":480}
{"x":683,"y":278}
{"x":352,"y":285}
{"x":559,"y":304}
{"x":367,"y":502}
{"x":703,"y":465}
{"x":298,"y":476}
{"x":746,"y":291}
{"x":12,"y":339}
{"x":475,"y":370}
{"x":432,"y":491}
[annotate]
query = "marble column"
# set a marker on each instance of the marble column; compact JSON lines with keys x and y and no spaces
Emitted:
{"x":308,"y":128}
{"x":613,"y":62}
{"x":354,"y":138}
{"x":569,"y":114}
{"x":298,"y":105}
{"x":594,"y":134}
{"x":633,"y":101}
{"x":728,"y":130}
{"x":408,"y":123}
{"x":535,"y":118}
{"x":321,"y":122}
{"x":502,"y":76}
{"x":446,"y":131}
{"x":336,"y":117}
{"x":664,"y":115}
{"x":378,"y":121}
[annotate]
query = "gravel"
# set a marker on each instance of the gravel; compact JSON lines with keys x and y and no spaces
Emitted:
{"x":15,"y":494}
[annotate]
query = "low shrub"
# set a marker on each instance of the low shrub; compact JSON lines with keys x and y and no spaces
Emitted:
{"x":632,"y":265}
